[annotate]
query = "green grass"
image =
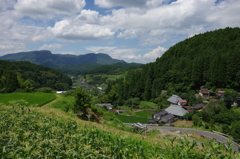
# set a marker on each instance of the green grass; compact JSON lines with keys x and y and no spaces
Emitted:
{"x":28,"y":99}
{"x":132,"y":119}
{"x":143,"y":114}
{"x":147,"y":105}
{"x":64,"y":103}
{"x":237,"y":109}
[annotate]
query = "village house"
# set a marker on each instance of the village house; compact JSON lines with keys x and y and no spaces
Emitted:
{"x":204,"y":91}
{"x":168,"y":118}
{"x":182,"y":102}
{"x":173,"y":112}
{"x":160,"y":114}
{"x":176,"y":110}
{"x":220,"y":94}
{"x":174,"y":99}
{"x":170,"y":114}
{"x":197,"y":107}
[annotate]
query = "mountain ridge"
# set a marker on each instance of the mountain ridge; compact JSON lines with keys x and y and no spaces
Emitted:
{"x":47,"y":58}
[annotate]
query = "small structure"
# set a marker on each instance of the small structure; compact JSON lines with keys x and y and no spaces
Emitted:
{"x":174,"y":99}
{"x":158,"y":115}
{"x":197,"y":107}
{"x":61,"y":92}
{"x":109,"y":106}
{"x":182,"y":102}
{"x":168,"y":118}
{"x":204,"y":91}
{"x":139,"y":125}
{"x":153,"y":121}
{"x":220,"y":94}
{"x":176,"y":110}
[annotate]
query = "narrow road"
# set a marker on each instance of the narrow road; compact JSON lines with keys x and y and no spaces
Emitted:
{"x":210,"y":135}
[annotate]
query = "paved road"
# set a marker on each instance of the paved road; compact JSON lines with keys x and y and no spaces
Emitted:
{"x":210,"y":135}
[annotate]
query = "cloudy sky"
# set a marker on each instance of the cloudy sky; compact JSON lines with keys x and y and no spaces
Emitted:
{"x":131,"y":30}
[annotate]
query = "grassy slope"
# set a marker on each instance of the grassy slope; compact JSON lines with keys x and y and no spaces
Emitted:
{"x":39,"y":132}
{"x":62,"y":103}
{"x":147,"y":105}
{"x":47,"y":132}
{"x":131,"y":119}
{"x":137,"y":116}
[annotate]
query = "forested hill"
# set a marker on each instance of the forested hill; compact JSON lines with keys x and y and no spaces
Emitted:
{"x":26,"y":77}
{"x":114,"y":69}
{"x":46,"y":58}
{"x":211,"y":59}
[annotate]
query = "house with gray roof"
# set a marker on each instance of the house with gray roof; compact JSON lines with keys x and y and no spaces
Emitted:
{"x":158,"y":115}
{"x":174,"y":99}
{"x":176,"y":110}
{"x":168,"y":118}
{"x":197,"y":107}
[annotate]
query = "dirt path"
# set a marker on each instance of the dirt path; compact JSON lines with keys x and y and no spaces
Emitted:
{"x":58,"y":97}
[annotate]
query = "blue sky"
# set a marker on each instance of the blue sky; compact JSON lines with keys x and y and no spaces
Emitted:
{"x":132,"y":30}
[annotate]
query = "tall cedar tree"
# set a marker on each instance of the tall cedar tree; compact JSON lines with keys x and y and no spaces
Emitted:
{"x":211,"y":58}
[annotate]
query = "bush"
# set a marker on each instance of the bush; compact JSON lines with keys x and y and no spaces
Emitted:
{"x":70,"y":93}
{"x":45,"y":90}
{"x":196,"y":120}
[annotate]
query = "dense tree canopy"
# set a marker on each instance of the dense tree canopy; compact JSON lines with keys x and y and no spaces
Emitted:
{"x":211,"y":59}
{"x":26,"y":76}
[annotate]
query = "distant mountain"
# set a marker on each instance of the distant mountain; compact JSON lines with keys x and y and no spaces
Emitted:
{"x":46,"y":58}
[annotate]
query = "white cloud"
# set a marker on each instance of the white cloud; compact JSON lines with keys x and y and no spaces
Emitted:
{"x":51,"y":46}
{"x":81,"y":28}
{"x":225,"y":14}
{"x":115,"y":3}
{"x":6,"y":4}
{"x":6,"y":47}
{"x":47,"y":9}
{"x":129,"y":55}
{"x":150,"y":22}
{"x":130,"y":3}
{"x":154,"y":54}
{"x":115,"y":52}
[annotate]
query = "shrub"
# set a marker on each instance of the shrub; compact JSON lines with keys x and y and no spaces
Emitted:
{"x":45,"y":90}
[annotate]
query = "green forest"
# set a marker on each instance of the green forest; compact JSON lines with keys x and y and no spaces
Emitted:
{"x":211,"y":59}
{"x":24,"y":76}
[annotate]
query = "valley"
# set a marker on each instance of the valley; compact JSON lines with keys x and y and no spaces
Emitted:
{"x":93,"y":106}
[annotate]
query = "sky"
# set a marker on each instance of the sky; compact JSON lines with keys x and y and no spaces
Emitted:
{"x":131,"y":30}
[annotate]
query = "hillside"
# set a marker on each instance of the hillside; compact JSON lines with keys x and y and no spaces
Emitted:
{"x":46,"y":58}
{"x":26,"y":77}
{"x":51,"y":133}
{"x":115,"y":69}
{"x":211,"y":59}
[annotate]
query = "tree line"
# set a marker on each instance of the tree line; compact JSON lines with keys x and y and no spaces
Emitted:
{"x":24,"y":76}
{"x":211,"y":59}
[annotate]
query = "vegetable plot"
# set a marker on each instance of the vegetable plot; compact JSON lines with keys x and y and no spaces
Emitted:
{"x":26,"y":133}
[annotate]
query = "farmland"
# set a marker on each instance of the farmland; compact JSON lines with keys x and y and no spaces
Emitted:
{"x":131,"y":119}
{"x":27,"y":99}
{"x":50,"y":133}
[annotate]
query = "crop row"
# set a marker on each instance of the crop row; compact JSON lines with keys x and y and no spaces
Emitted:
{"x":26,"y":133}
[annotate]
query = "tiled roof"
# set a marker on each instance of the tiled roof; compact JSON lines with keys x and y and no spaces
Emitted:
{"x":176,"y":110}
{"x":182,"y":101}
{"x":174,"y":99}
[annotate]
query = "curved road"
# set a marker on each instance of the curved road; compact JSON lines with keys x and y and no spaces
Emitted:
{"x":210,"y":135}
